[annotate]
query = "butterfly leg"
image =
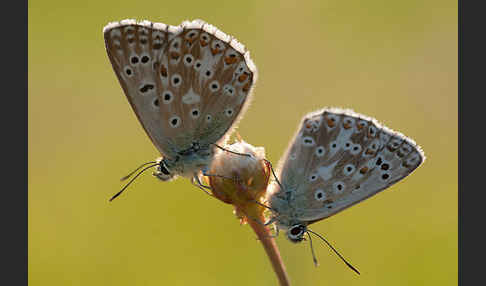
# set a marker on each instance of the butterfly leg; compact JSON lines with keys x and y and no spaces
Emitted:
{"x":264,"y":225}
{"x":196,"y":182}
{"x":218,"y":176}
{"x":272,"y":220}
{"x":275,"y":227}
{"x":269,"y":164}
{"x":265,"y":206}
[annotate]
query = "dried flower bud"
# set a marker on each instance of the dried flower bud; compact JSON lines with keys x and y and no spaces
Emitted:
{"x":240,"y":179}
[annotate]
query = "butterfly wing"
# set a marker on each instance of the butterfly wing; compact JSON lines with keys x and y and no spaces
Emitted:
{"x":186,"y":83}
{"x":339,"y":158}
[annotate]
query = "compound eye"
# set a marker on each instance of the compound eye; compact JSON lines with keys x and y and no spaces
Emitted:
{"x":296,"y":232}
{"x":163,"y":168}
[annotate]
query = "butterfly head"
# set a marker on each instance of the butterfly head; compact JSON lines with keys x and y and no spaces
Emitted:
{"x":296,"y":232}
{"x":163,"y":171}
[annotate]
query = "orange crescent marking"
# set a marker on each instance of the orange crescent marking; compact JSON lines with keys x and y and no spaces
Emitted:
{"x":230,"y":60}
{"x":363,"y":170}
{"x":330,"y":122}
{"x":214,"y":51}
{"x":242,"y":77}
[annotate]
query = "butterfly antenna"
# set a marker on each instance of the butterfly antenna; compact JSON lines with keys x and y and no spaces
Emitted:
{"x":273,"y":172}
{"x":312,"y":250}
{"x":133,"y":172}
{"x":133,"y":179}
{"x":232,"y":152}
{"x":333,"y":249}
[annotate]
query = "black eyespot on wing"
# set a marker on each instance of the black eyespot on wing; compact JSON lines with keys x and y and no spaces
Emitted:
{"x":379,"y":161}
{"x":163,"y":169}
{"x":145,"y":59}
{"x":146,"y":88}
{"x":134,"y":60}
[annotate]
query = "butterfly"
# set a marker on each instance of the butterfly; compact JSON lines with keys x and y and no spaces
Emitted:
{"x":188,"y":85}
{"x":337,"y":158}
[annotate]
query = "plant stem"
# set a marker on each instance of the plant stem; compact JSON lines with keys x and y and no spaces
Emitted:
{"x":268,"y":242}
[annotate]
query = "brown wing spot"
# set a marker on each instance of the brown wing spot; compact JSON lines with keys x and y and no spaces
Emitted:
{"x":360,"y":125}
{"x":203,"y":43}
{"x":230,"y":60}
{"x":246,"y":87}
{"x":163,"y":71}
{"x":369,"y":152}
{"x":346,"y":125}
{"x":363,"y":170}
{"x":174,"y":55}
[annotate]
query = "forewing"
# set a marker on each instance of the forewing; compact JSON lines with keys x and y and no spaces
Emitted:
{"x":186,"y":83}
{"x":339,"y":158}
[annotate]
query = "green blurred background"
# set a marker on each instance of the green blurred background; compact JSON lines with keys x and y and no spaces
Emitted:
{"x":393,"y":60}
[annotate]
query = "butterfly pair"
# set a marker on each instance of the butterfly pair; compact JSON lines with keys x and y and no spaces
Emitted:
{"x":189,"y":85}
